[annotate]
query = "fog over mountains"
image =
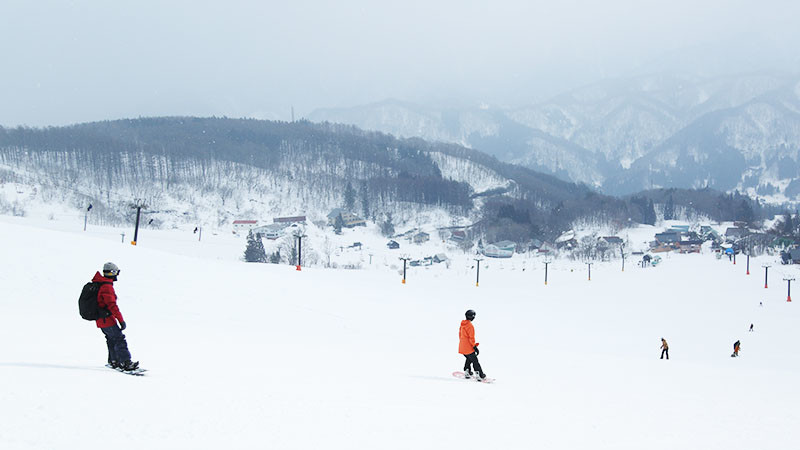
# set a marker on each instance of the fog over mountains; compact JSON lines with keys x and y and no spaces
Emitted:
{"x":625,"y":135}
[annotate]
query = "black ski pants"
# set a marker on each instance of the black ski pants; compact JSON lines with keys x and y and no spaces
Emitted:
{"x":472,"y":359}
{"x":116,"y":343}
{"x":664,"y":352}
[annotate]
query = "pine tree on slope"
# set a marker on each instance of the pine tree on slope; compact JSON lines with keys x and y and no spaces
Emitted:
{"x":255,"y":249}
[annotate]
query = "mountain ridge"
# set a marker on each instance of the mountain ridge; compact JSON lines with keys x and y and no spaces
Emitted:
{"x":596,"y":134}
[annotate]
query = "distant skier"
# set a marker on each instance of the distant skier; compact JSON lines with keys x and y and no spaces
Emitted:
{"x":645,"y":261}
{"x":118,"y":355}
{"x":751,"y":327}
{"x":664,"y":349}
{"x":736,"y":346}
{"x":468,"y":347}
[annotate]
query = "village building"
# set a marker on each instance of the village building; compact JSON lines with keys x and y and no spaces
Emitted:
{"x":421,"y":237}
{"x":502,"y":249}
{"x":244,"y":226}
{"x":458,"y":236}
{"x":349,"y":220}
{"x":289,"y":220}
{"x":534,"y":244}
{"x":272,"y":231}
{"x":546,"y":249}
{"x":612,"y":241}
{"x":668,"y":237}
{"x":567,"y":240}
{"x":734,"y":233}
{"x":682,"y":229}
{"x":690,"y":246}
{"x":794,"y":255}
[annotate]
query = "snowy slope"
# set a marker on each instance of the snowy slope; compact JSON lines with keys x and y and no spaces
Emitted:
{"x":263,"y":356}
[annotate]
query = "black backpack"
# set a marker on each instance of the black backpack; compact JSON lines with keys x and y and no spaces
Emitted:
{"x":87,"y":302}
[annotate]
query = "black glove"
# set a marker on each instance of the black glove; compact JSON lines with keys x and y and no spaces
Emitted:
{"x":122,"y":325}
{"x":477,"y":352}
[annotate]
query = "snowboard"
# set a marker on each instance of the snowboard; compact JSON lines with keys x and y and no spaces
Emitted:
{"x":138,"y":372}
{"x":461,"y":376}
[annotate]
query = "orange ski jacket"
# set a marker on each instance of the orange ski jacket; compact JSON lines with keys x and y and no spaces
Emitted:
{"x":466,"y":338}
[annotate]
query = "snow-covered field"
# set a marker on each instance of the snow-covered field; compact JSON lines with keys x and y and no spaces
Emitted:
{"x":263,"y":356}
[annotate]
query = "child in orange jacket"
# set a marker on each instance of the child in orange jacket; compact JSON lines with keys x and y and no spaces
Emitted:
{"x":468,"y":347}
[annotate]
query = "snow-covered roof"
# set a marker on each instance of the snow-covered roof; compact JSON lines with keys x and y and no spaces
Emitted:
{"x":567,"y":236}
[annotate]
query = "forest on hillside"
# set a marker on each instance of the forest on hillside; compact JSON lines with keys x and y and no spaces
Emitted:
{"x":239,"y":166}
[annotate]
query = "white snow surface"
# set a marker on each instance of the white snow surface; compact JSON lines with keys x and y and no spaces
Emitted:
{"x":264,"y":356}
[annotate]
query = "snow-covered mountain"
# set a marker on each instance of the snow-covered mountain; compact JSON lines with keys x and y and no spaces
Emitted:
{"x":606,"y":132}
{"x":752,"y":147}
{"x":191,"y":171}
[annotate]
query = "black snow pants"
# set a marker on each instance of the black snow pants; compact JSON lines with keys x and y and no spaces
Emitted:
{"x":472,"y":359}
{"x":663,"y":352}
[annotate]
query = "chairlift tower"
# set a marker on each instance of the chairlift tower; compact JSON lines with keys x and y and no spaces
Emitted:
{"x":766,"y":273}
{"x":789,"y":291}
{"x":478,"y":273}
{"x":137,"y":204}
{"x":299,"y":236}
{"x":86,"y":216}
{"x":546,"y":263}
{"x":405,"y":260}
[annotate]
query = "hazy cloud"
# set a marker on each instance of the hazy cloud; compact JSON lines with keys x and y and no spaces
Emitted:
{"x":67,"y":62}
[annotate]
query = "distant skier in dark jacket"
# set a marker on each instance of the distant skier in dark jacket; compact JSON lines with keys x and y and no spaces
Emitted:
{"x":736,"y":346}
{"x":468,"y":347}
{"x":664,"y":349}
{"x":118,"y":354}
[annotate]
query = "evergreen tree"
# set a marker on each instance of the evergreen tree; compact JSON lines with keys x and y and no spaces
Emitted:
{"x":255,"y":249}
{"x":796,"y":223}
{"x":338,"y":223}
{"x":349,"y":197}
{"x":275,"y":258}
{"x":387,"y":227}
{"x":650,"y":214}
{"x":788,"y":225}
{"x":745,"y":212}
{"x":364,"y":199}
{"x":669,"y":209}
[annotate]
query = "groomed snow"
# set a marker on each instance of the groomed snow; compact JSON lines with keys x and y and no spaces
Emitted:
{"x":263,"y":356}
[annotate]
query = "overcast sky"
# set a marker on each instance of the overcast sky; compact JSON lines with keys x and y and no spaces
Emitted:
{"x":66,"y":62}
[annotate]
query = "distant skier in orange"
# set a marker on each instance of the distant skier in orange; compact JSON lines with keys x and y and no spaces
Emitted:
{"x":468,"y":347}
{"x":736,"y":346}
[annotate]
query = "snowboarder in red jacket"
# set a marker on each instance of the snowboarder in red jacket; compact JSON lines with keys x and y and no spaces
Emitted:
{"x":118,"y":355}
{"x":468,"y":347}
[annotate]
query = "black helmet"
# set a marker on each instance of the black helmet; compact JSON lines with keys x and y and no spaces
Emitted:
{"x":470,"y":314}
